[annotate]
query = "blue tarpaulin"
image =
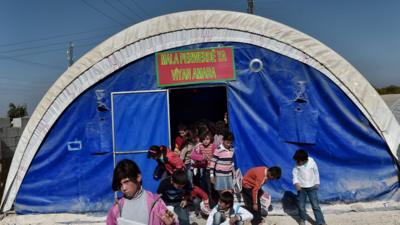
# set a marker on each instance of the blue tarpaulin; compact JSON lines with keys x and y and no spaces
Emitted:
{"x":72,"y":170}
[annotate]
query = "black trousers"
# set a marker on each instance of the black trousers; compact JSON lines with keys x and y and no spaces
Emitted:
{"x":248,"y":201}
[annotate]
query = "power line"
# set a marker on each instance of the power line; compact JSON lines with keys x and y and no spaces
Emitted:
{"x":48,"y":45}
{"x":31,"y":63}
{"x":140,"y":8}
{"x":119,"y":11}
{"x":127,"y":6}
{"x":102,"y":13}
{"x":53,"y":49}
{"x":29,"y":85}
{"x":54,"y":37}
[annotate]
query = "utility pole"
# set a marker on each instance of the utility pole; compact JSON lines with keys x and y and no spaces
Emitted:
{"x":70,"y":54}
{"x":250,"y":6}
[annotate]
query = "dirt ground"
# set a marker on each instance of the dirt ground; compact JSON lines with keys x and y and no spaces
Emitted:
{"x":378,"y":213}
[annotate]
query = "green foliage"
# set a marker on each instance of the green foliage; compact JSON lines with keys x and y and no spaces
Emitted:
{"x":16,"y":111}
{"x":392,"y":89}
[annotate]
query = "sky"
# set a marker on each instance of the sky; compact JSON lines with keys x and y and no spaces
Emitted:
{"x":34,"y":35}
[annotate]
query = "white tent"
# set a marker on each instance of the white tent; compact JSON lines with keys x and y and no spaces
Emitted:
{"x":186,"y":28}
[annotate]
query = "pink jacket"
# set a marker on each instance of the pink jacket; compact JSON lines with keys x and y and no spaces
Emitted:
{"x":202,"y":156}
{"x":156,"y":210}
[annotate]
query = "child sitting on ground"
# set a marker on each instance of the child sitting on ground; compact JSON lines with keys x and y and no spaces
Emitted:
{"x":227,"y":212}
{"x":176,"y":192}
{"x":200,"y":201}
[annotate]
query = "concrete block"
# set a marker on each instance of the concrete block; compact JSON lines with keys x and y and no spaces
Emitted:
{"x":12,"y":132}
{"x":7,"y":151}
{"x":9,"y":142}
{"x":5,"y":122}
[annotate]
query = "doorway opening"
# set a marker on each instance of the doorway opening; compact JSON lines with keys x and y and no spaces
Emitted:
{"x":191,"y":106}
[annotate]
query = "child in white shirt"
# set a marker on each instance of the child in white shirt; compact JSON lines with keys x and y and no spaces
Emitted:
{"x":306,"y":181}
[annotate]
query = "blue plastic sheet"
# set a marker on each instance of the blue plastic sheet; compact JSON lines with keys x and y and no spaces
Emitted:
{"x":140,"y":120}
{"x":298,"y":123}
{"x":72,"y":170}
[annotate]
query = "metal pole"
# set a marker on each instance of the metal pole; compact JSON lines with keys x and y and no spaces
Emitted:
{"x":70,"y":54}
{"x":250,"y":6}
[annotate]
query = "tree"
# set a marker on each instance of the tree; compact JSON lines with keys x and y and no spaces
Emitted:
{"x":16,"y":111}
{"x":392,"y":89}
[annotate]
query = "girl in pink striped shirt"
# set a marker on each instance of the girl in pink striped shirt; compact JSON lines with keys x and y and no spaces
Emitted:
{"x":222,"y":165}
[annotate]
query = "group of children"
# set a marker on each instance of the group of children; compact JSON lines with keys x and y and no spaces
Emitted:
{"x":198,"y":175}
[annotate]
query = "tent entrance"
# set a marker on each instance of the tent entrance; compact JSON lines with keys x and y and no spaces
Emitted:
{"x":139,"y":119}
{"x":189,"y":106}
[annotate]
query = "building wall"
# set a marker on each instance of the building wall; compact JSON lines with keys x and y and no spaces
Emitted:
{"x":9,"y":137}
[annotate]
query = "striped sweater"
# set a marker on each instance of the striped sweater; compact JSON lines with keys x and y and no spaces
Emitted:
{"x":222,"y":162}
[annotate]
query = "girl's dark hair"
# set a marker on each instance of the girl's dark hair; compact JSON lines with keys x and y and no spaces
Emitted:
{"x":155,"y":151}
{"x":220,"y":127}
{"x":182,"y":127}
{"x":206,"y":134}
{"x":202,"y":126}
{"x":227,"y":198}
{"x":300,"y":155}
{"x":125,"y":168}
{"x":228,"y":136}
{"x":188,"y":138}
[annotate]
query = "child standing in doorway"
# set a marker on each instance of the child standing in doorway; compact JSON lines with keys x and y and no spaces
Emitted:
{"x":220,"y":128}
{"x":181,"y":138}
{"x":185,"y":155}
{"x":201,"y":159}
{"x":306,"y":180}
{"x":222,"y":165}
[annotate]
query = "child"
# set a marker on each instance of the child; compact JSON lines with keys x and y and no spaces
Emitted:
{"x":219,"y":130}
{"x":127,"y":179}
{"x":176,"y":192}
{"x":253,"y":181}
{"x":227,"y":213}
{"x":186,"y":153}
{"x":222,"y":166}
{"x":306,"y":181}
{"x":201,"y":158}
{"x":167,"y":161}
{"x":200,"y":201}
{"x":181,"y":138}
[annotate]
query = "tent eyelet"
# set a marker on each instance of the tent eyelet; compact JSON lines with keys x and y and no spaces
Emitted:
{"x":256,"y":65}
